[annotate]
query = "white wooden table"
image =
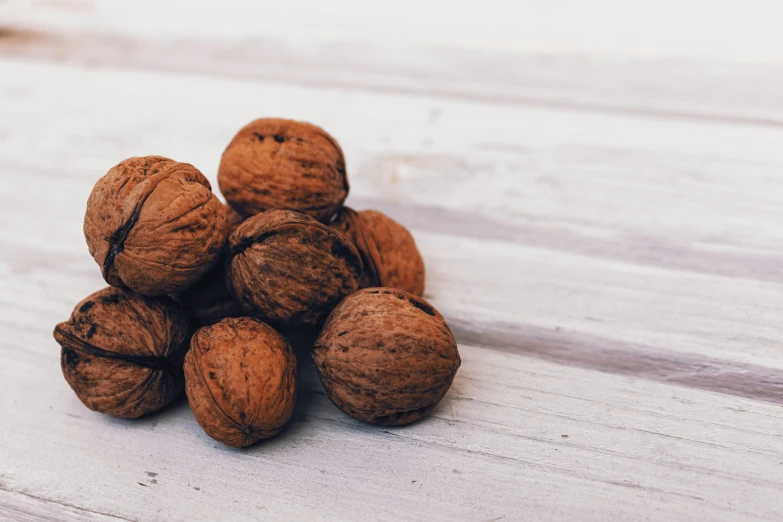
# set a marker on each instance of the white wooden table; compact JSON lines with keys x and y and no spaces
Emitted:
{"x":597,"y":190}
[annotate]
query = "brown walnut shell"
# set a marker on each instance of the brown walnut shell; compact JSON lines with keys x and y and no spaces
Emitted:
{"x":389,"y":253}
{"x":240,"y":379}
{"x":283,"y":164}
{"x":289,"y":269}
{"x":154,"y":225}
{"x":386,"y":356}
{"x":208,"y":301}
{"x":122,"y":353}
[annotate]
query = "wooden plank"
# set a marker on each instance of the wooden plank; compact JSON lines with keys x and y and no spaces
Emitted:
{"x":512,"y":436}
{"x":553,"y":311}
{"x":557,"y":179}
{"x":494,"y":24}
{"x":234,"y":40}
{"x":19,"y":507}
{"x":563,"y":242}
{"x":556,"y":239}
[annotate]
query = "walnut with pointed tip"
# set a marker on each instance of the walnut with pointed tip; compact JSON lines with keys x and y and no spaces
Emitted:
{"x":289,"y":269}
{"x":240,"y":379}
{"x":122,"y":352}
{"x":283,"y":164}
{"x":389,"y":253}
{"x":386,"y":356}
{"x":153,"y":225}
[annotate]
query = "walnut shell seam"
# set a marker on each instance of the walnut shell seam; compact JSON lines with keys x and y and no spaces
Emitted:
{"x":246,"y":430}
{"x":117,"y":239}
{"x":156,"y":363}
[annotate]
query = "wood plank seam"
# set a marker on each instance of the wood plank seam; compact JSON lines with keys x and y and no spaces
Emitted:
{"x":64,"y":504}
{"x":195,"y":57}
{"x":607,"y":355}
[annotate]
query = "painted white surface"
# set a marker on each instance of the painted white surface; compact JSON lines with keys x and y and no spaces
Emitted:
{"x":495,"y":447}
{"x":687,"y":85}
{"x":741,"y":29}
{"x":614,"y":278}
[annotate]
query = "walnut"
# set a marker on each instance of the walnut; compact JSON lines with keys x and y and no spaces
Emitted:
{"x":122,"y":353}
{"x":289,"y":269}
{"x":386,"y":356}
{"x":388,"y":251}
{"x":282,"y":164}
{"x":240,"y":377}
{"x":154,"y":226}
{"x":208,"y":300}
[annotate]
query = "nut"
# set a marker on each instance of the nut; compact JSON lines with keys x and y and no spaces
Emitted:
{"x":283,"y":164}
{"x":388,"y":251}
{"x":122,"y":353}
{"x":153,"y":225}
{"x":289,"y":269}
{"x":208,"y":301}
{"x":386,"y":356}
{"x":240,"y":379}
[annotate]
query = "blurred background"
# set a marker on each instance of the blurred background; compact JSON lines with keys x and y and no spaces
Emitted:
{"x":725,"y":29}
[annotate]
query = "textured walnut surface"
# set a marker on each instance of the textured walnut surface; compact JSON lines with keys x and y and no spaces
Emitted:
{"x":389,"y":253}
{"x":282,"y":164}
{"x":240,"y":380}
{"x":153,"y":224}
{"x":122,"y":352}
{"x":289,"y":269}
{"x":386,"y":356}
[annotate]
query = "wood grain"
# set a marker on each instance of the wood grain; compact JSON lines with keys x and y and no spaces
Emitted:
{"x":556,"y":239}
{"x":621,"y":64}
{"x":602,"y":231}
{"x":612,"y":26}
{"x":19,"y":507}
{"x":511,"y":438}
{"x":692,"y":89}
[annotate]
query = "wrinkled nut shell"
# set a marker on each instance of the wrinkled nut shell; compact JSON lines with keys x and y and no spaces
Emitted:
{"x":282,"y":164}
{"x":389,"y":253}
{"x":386,"y":356}
{"x":153,"y":225}
{"x":240,"y":380}
{"x":289,"y":269}
{"x":122,"y":353}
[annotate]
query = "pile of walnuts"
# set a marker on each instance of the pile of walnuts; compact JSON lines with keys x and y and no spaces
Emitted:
{"x":284,"y":255}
